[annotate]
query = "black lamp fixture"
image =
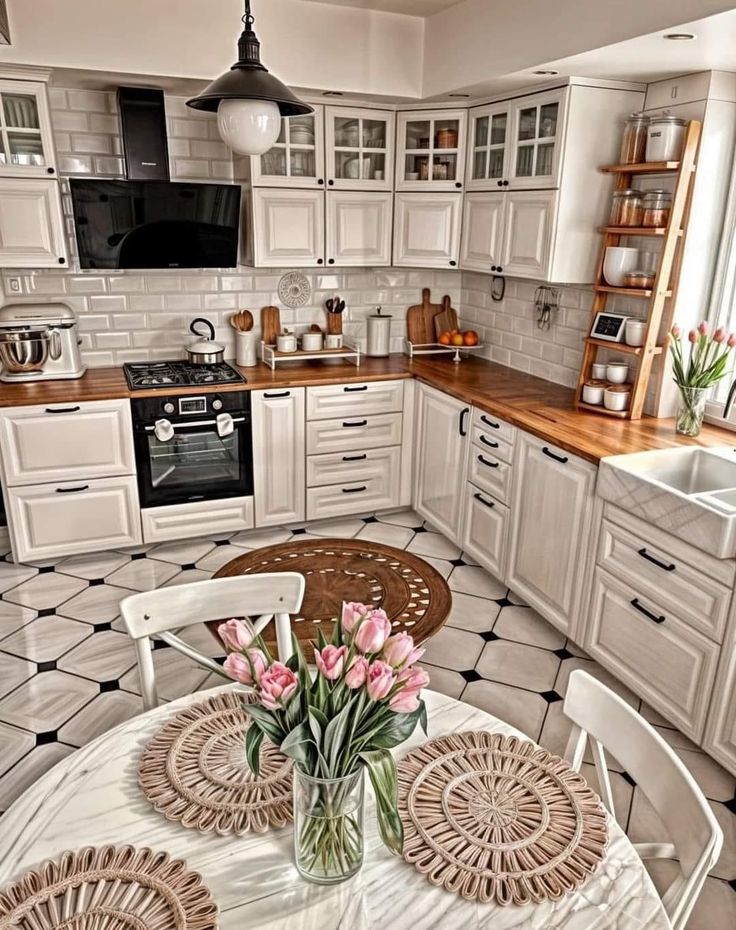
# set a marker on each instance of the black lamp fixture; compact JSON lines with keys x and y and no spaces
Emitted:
{"x":248,"y":100}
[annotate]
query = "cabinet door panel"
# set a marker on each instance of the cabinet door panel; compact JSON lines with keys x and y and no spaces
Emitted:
{"x":427,"y":230}
{"x":537,"y":127}
{"x":482,"y":238}
{"x":485,"y":533}
{"x":360,"y":148}
{"x":278,"y":456}
{"x":488,"y":147}
{"x":31,"y":224}
{"x":720,"y":732}
{"x":359,"y":228}
{"x":298,"y":157}
{"x":528,"y":233}
{"x":26,"y":139}
{"x":288,"y":228}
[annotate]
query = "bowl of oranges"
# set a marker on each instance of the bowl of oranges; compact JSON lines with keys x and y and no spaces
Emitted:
{"x":458,"y":339}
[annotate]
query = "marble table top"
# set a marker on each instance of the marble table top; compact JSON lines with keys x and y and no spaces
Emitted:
{"x":92,"y":798}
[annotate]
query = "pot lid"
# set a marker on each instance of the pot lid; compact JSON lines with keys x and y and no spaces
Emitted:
{"x":675,"y":120}
{"x":205,"y":347}
{"x":43,"y":314}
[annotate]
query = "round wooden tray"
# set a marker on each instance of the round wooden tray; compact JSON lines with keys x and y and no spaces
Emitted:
{"x":193,"y":770}
{"x":415,"y":596}
{"x":494,"y":818}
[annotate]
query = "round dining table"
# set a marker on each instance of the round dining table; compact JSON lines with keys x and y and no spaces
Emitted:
{"x":92,"y":798}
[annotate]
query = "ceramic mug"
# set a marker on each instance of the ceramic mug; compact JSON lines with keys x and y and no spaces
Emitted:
{"x":333,"y":341}
{"x":635,"y":330}
{"x":616,"y":398}
{"x":598,"y":370}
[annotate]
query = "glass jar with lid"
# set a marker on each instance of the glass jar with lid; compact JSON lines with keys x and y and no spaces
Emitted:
{"x":626,"y":208}
{"x":633,"y":146}
{"x":665,"y":138}
{"x":656,"y":205}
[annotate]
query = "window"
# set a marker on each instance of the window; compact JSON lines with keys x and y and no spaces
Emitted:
{"x":4,"y":27}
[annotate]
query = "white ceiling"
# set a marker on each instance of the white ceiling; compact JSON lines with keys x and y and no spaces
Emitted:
{"x":409,"y":7}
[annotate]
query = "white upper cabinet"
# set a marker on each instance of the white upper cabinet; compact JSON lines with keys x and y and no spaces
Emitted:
{"x":527,"y":238}
{"x":427,"y":230}
{"x":31,"y":224}
{"x":298,"y":157}
{"x":488,"y":147}
{"x":288,"y":228}
{"x":537,"y":131}
{"x":483,"y":230}
{"x":26,"y":142}
{"x":360,"y":148}
{"x":359,"y":228}
{"x":431,"y":150}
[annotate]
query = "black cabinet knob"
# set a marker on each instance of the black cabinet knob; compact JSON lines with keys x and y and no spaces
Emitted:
{"x":499,"y":268}
{"x":50,"y":171}
{"x":500,"y":183}
{"x":458,"y":184}
{"x":453,"y":263}
{"x":62,"y":261}
{"x":494,"y":268}
{"x":320,"y":180}
{"x":505,"y":183}
{"x":330,"y":261}
{"x":330,"y":182}
{"x":320,"y":261}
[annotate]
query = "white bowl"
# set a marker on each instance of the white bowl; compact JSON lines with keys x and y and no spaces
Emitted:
{"x":618,"y":262}
{"x":617,"y":372}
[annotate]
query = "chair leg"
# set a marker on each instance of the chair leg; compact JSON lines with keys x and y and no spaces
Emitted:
{"x":146,"y":672}
{"x":283,"y":636}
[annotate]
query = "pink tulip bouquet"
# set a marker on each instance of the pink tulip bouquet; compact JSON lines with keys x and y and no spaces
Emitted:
{"x":696,"y":370}
{"x":363,"y":700}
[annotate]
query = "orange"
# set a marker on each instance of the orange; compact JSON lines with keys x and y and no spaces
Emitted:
{"x":444,"y":339}
{"x":470,"y":338}
{"x":456,"y":340}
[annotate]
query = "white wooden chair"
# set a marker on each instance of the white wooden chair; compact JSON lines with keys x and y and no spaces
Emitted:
{"x":604,"y":719}
{"x":154,"y":613}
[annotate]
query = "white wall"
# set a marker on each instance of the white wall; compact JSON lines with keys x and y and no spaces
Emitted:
{"x":305,"y":44}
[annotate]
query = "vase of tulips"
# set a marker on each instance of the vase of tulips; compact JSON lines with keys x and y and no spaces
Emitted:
{"x":696,"y":370}
{"x":337,"y":723}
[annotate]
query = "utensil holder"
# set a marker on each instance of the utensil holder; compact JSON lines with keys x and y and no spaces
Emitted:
{"x":334,"y":324}
{"x":245,"y":349}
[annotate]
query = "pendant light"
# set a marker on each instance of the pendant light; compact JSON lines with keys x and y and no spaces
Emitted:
{"x":248,"y":100}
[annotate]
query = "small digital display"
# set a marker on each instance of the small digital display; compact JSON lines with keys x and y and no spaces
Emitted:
{"x":193,"y":405}
{"x":608,"y":326}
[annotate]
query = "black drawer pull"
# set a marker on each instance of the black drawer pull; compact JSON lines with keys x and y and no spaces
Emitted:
{"x":354,"y":458}
{"x":461,"y":425}
{"x":650,"y":558}
{"x":357,"y":423}
{"x":484,"y":419}
{"x":82,"y":487}
{"x":363,"y":487}
{"x":63,"y":409}
{"x":487,"y":442}
{"x":647,"y":613}
{"x":363,"y":387}
{"x":486,"y":462}
{"x":479,"y":497}
{"x":563,"y":459}
{"x":272,"y":395}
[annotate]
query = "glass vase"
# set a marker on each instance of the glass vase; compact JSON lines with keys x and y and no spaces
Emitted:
{"x":690,"y":410}
{"x":328,"y":826}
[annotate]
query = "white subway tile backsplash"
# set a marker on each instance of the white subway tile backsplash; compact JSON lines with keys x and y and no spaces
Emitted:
{"x":188,"y":129}
{"x":106,"y":303}
{"x":109,"y":123}
{"x":189,"y":302}
{"x":112,"y":340}
{"x":92,"y":143}
{"x":64,"y":120}
{"x":76,"y":164}
{"x":91,"y":101}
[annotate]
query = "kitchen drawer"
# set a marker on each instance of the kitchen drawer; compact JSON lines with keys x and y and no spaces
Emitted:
{"x":488,"y":441}
{"x":62,"y":442}
{"x":353,"y":433}
{"x":661,"y":658}
{"x":661,"y":573}
{"x":486,"y":530}
{"x":490,"y":474}
{"x":199,"y":518}
{"x":352,"y":467}
{"x":352,"y":497}
{"x":492,"y":426}
{"x":349,"y":400}
{"x":51,"y":520}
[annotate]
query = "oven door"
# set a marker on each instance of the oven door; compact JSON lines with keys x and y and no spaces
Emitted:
{"x":196,"y":464}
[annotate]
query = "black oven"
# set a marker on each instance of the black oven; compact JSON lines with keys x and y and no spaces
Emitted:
{"x":193,"y":447}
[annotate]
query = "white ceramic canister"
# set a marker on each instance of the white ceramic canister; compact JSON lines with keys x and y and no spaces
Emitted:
{"x":635,"y":330}
{"x":333,"y":341}
{"x":617,"y":372}
{"x":312,"y":342}
{"x":379,"y":334}
{"x":286,"y":342}
{"x":593,"y":392}
{"x":245,"y":348}
{"x":617,"y":262}
{"x":598,"y":371}
{"x":617,"y":397}
{"x":665,"y":138}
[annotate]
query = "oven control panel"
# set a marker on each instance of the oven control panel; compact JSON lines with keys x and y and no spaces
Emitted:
{"x":192,"y":405}
{"x":181,"y":407}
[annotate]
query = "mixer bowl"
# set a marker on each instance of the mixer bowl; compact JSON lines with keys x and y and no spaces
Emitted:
{"x":22,"y":352}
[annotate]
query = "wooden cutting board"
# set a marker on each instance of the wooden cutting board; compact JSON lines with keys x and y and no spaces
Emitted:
{"x":270,"y":325}
{"x":420,"y":320}
{"x":446,"y":319}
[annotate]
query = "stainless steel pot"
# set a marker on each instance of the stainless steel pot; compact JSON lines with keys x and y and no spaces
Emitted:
{"x":23,"y":351}
{"x":204,"y":351}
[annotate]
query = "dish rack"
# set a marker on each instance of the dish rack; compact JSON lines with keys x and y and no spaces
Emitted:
{"x":271,"y":355}
{"x":436,"y":348}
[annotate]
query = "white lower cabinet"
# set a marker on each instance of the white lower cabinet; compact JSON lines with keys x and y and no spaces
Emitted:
{"x":278,"y":456}
{"x":357,"y":494}
{"x":359,"y":228}
{"x":288,"y":228}
{"x":199,"y":518}
{"x":443,"y":424}
{"x":31,"y":224}
{"x":486,"y":530}
{"x":720,"y":732}
{"x":551,"y":519}
{"x":346,"y":468}
{"x":51,"y":520}
{"x":353,"y":433}
{"x":427,"y":230}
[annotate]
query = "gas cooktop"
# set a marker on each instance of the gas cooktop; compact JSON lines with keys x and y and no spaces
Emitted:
{"x":145,"y":375}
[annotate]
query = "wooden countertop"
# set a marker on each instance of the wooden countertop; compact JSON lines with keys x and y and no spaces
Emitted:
{"x":540,"y":407}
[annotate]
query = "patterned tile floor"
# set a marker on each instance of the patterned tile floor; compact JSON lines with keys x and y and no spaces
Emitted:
{"x":68,"y":671}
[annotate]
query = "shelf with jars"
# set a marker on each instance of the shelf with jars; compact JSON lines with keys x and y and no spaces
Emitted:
{"x":26,"y":143}
{"x":431,"y":150}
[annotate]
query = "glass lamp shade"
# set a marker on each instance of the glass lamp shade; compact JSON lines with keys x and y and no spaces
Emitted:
{"x":249,"y":127}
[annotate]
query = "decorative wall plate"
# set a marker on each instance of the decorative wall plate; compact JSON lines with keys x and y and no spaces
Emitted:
{"x":294,"y":289}
{"x":115,"y":888}
{"x":193,"y":770}
{"x":496,"y":819}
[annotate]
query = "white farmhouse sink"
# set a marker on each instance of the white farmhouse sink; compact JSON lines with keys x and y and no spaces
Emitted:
{"x":690,"y":493}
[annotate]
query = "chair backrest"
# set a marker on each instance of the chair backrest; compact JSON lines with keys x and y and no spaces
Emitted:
{"x":604,"y":719}
{"x":154,"y":613}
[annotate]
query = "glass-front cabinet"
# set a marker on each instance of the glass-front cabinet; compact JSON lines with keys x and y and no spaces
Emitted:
{"x":488,"y":147}
{"x":431,"y":150}
{"x":360,"y":148}
{"x":26,"y":146}
{"x":537,"y":125}
{"x":298,"y":157}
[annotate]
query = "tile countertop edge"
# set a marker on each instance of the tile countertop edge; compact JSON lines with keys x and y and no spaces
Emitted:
{"x":540,"y":407}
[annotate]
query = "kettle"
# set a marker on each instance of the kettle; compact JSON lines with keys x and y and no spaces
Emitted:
{"x":204,"y":351}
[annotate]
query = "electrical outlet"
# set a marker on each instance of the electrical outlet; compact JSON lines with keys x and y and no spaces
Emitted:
{"x":14,"y":285}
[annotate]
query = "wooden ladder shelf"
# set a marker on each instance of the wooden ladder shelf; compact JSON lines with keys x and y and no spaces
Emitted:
{"x":662,"y":296}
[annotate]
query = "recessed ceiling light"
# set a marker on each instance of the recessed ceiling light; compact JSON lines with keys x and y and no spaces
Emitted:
{"x":458,"y":95}
{"x":545,"y":73}
{"x":679,"y":36}
{"x":332,"y":93}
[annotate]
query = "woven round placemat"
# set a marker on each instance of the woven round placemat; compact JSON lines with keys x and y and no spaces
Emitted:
{"x":495,"y":818}
{"x":115,"y":888}
{"x":193,"y":770}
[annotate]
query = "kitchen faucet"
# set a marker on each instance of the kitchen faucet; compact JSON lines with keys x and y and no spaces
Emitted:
{"x":729,"y":401}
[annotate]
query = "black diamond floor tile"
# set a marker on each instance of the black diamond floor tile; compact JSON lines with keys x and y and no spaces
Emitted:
{"x":420,"y":529}
{"x":504,"y":602}
{"x":551,"y":697}
{"x":563,"y":653}
{"x":188,"y":567}
{"x":50,"y":736}
{"x":47,"y":612}
{"x":45,"y":569}
{"x":370,"y":519}
{"x":471,"y":675}
{"x":628,"y":779}
{"x":46,"y":666}
{"x":138,"y":555}
{"x":96,"y":581}
{"x":222,"y":542}
{"x":299,"y":532}
{"x":113,"y":685}
{"x":102,"y":627}
{"x":489,"y":636}
{"x":458,"y":563}
{"x":731,"y":805}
